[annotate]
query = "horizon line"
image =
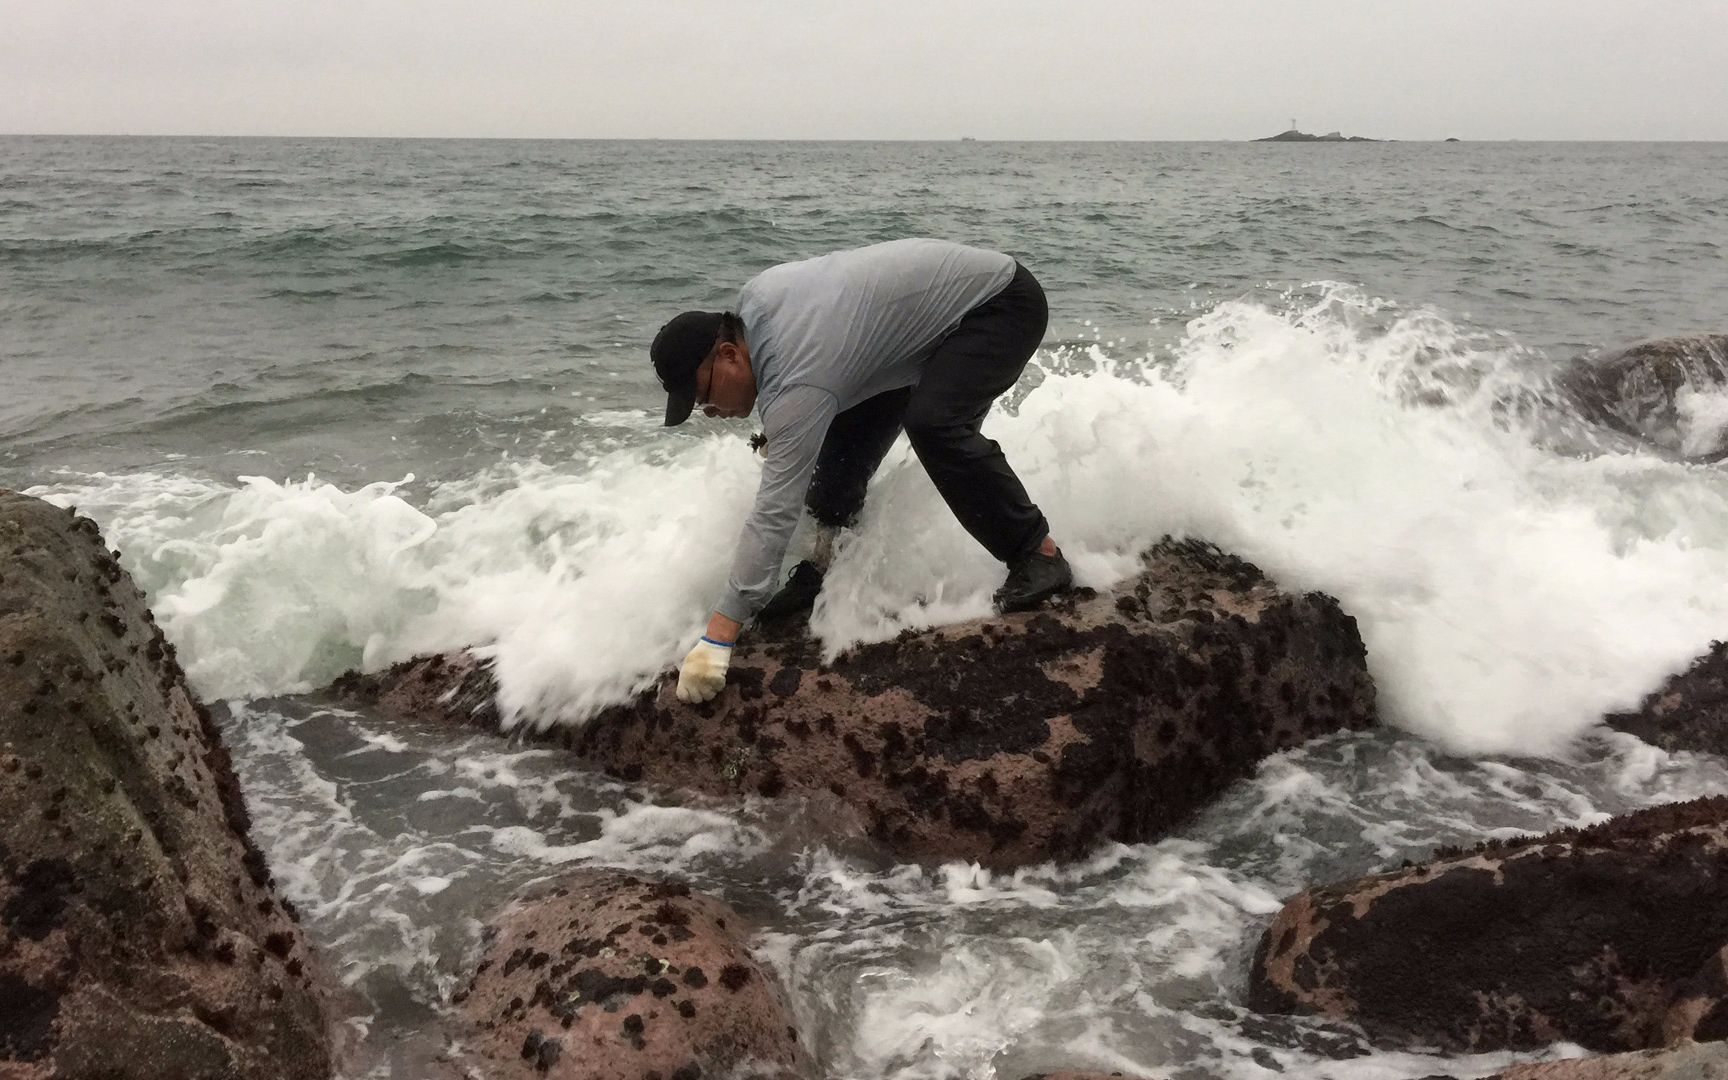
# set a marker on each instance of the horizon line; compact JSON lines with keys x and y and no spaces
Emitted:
{"x":780,"y":139}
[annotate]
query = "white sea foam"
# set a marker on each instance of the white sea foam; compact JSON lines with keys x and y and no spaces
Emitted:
{"x":395,"y":841}
{"x":1508,"y":595}
{"x":1130,"y":969}
{"x":367,"y":890}
{"x":1703,"y":415}
{"x":642,"y":837}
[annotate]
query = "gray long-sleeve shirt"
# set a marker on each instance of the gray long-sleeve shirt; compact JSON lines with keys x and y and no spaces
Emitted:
{"x":825,"y":334}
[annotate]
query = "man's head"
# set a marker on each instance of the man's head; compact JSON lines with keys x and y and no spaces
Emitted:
{"x":702,"y":359}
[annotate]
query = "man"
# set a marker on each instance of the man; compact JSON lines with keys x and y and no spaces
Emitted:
{"x":840,"y":353}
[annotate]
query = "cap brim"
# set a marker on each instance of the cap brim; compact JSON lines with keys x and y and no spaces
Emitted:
{"x":678,"y":408}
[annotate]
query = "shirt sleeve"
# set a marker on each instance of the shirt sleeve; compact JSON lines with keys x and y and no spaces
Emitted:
{"x":796,"y":424}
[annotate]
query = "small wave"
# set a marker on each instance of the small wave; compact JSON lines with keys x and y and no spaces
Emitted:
{"x":445,"y":253}
{"x":1429,"y":219}
{"x":314,"y":295}
{"x":81,"y":417}
{"x":226,"y":407}
{"x":702,"y":222}
{"x":297,"y":242}
{"x":122,"y":244}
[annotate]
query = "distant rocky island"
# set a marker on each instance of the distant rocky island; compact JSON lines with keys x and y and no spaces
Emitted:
{"x":1293,"y":135}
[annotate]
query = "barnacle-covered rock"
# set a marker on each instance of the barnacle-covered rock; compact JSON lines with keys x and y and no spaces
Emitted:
{"x":1688,"y":1061}
{"x":141,"y":935}
{"x":602,"y":975}
{"x":1610,"y":937}
{"x":1689,"y":711}
{"x":1006,"y":740}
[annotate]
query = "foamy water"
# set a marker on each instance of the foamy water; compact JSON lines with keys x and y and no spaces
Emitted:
{"x":181,"y":313}
{"x":1509,"y":594}
{"x":397,"y":840}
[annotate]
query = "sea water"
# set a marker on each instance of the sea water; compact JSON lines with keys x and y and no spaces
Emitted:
{"x":338,"y":402}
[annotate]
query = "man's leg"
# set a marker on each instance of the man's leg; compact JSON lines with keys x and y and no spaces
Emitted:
{"x":857,"y":441}
{"x":974,"y":365}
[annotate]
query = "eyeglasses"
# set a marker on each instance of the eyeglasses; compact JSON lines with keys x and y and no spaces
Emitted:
{"x":702,"y":395}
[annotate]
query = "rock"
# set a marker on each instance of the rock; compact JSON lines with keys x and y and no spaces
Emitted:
{"x":1018,"y":738}
{"x":1690,"y":1061}
{"x":1609,"y":937}
{"x":1700,"y":1009}
{"x":140,"y":932}
{"x":605,"y":976}
{"x":1642,"y":391}
{"x":1690,"y":711}
{"x":452,"y":686}
{"x":1292,"y":135}
{"x":1078,"y":1076}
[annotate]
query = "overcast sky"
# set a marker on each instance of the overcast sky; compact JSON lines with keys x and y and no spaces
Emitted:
{"x":895,"y":69}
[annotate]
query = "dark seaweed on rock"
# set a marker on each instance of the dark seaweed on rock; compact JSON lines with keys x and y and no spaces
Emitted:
{"x":1612,"y":937}
{"x":602,"y":975}
{"x":1689,"y":712}
{"x":1006,"y":740}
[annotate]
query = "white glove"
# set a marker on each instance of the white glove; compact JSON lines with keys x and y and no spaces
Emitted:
{"x":703,"y":673}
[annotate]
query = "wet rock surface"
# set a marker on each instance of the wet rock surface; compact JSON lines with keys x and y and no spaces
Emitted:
{"x":454,"y":686}
{"x":607,"y":976}
{"x":140,"y":932}
{"x":1641,"y":391}
{"x":1700,"y":1009}
{"x":1610,"y":937}
{"x":1079,"y":1076}
{"x":1689,"y":712}
{"x":1013,"y":739}
{"x":1691,"y":1061}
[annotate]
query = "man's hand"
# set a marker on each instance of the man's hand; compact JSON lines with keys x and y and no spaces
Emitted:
{"x":703,"y":673}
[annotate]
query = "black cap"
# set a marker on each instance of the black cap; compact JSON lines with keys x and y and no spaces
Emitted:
{"x":678,"y":350}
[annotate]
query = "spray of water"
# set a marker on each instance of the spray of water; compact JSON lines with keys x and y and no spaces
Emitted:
{"x":1509,"y":594}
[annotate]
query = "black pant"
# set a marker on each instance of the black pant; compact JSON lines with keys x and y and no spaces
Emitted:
{"x":973,"y":366}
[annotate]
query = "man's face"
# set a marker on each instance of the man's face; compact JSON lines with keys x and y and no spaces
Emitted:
{"x":725,"y":387}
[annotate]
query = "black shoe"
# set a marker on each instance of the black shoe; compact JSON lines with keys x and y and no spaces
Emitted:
{"x":1033,"y":580}
{"x":796,"y":597}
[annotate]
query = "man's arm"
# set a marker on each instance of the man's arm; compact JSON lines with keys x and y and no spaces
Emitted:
{"x":720,"y":628}
{"x":800,"y":420}
{"x":796,"y":428}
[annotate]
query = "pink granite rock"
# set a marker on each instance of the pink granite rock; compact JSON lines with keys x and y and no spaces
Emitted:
{"x":606,"y":976}
{"x":1079,"y":1076}
{"x":1688,"y":1061}
{"x":1007,"y":740}
{"x":1699,"y":1012}
{"x":141,"y":935}
{"x":1610,"y":937}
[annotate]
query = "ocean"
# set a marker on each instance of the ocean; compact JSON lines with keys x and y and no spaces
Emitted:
{"x":341,"y":401}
